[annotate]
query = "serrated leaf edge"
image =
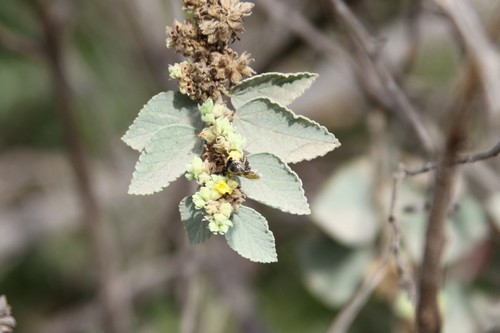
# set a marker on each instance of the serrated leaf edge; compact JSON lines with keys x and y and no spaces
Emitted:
{"x":240,"y":87}
{"x":142,"y":111}
{"x":184,"y":224}
{"x":336,"y":143}
{"x":287,"y":168}
{"x":141,"y":157}
{"x":272,"y":237}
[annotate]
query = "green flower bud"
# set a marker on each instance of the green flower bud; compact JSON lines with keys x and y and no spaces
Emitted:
{"x":223,"y":126}
{"x":208,"y":118}
{"x":219,"y":224}
{"x":226,"y":209}
{"x":207,"y":134}
{"x":198,"y":201}
{"x":175,"y":71}
{"x":219,"y":110}
{"x":207,"y":107}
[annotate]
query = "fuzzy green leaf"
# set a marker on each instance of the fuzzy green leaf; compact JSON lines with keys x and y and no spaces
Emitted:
{"x":272,"y":128}
{"x":278,"y":186}
{"x":196,"y":228}
{"x":278,"y":87}
{"x":334,"y":284}
{"x":164,"y":109}
{"x":164,"y":159}
{"x":344,"y":208}
{"x":250,"y":236}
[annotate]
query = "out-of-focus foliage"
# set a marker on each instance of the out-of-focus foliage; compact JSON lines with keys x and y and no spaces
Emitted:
{"x":115,"y":58}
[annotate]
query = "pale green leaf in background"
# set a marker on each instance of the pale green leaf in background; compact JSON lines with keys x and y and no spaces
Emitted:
{"x":332,"y":272}
{"x":344,"y":208}
{"x":466,"y":228}
{"x":457,"y":309}
{"x":250,"y":236}
{"x":164,"y":109}
{"x":278,"y":186}
{"x":278,"y":87}
{"x":164,"y":159}
{"x":271,"y":128}
{"x":493,"y":207}
{"x":192,"y":218}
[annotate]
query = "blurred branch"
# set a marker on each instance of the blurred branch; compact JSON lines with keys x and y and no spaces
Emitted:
{"x":413,"y":37}
{"x":192,"y":292}
{"x":428,"y":318}
{"x":16,"y":43}
{"x":295,"y":22}
{"x":7,"y":322}
{"x":478,"y":47}
{"x":428,"y":315}
{"x":118,"y":314}
{"x":405,"y":278}
{"x":466,"y":159}
{"x":154,"y":274}
{"x":345,"y":318}
{"x":393,"y":97}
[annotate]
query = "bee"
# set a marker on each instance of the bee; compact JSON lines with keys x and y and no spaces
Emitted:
{"x":240,"y":168}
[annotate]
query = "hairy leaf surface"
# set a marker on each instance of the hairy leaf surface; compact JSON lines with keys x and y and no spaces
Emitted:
{"x":278,"y":186}
{"x":250,"y":236}
{"x":164,"y":109}
{"x":164,"y":159}
{"x":192,"y":218}
{"x":279,"y":87}
{"x":270,"y":127}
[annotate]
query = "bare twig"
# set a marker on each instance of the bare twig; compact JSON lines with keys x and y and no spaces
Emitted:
{"x":7,"y":322}
{"x":345,"y":318}
{"x":405,"y":278}
{"x":478,"y":46}
{"x":394,"y":98}
{"x":428,"y":317}
{"x":118,"y":314}
{"x":19,"y":44}
{"x":413,"y":37}
{"x":466,"y":159}
{"x":295,"y":22}
{"x":155,"y":274}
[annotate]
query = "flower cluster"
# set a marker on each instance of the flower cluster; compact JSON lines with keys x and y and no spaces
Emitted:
{"x":219,"y":194}
{"x":212,"y":65}
{"x":213,"y":195}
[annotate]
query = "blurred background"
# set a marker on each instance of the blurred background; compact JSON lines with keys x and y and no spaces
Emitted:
{"x":78,"y":254}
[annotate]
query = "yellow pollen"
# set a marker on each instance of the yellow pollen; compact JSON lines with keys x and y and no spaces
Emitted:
{"x":223,"y":188}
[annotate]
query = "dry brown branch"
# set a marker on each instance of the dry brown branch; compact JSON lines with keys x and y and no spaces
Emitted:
{"x":466,"y":159}
{"x":118,"y":315}
{"x":405,"y":278}
{"x":478,"y":47}
{"x":155,"y":274}
{"x":393,"y":97}
{"x":345,"y":318}
{"x":19,"y":44}
{"x":428,"y":317}
{"x":7,"y":322}
{"x":295,"y":22}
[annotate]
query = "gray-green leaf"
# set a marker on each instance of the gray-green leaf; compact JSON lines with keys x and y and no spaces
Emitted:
{"x":164,"y":159}
{"x":164,"y":109}
{"x":250,"y":236}
{"x":344,"y":208}
{"x":278,"y":87}
{"x":332,"y":272}
{"x":270,"y":127}
{"x":278,"y":186}
{"x":196,"y":228}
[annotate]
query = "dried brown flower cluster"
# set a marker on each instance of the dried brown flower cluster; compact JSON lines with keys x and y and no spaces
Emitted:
{"x":7,"y":322}
{"x":212,"y":66}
